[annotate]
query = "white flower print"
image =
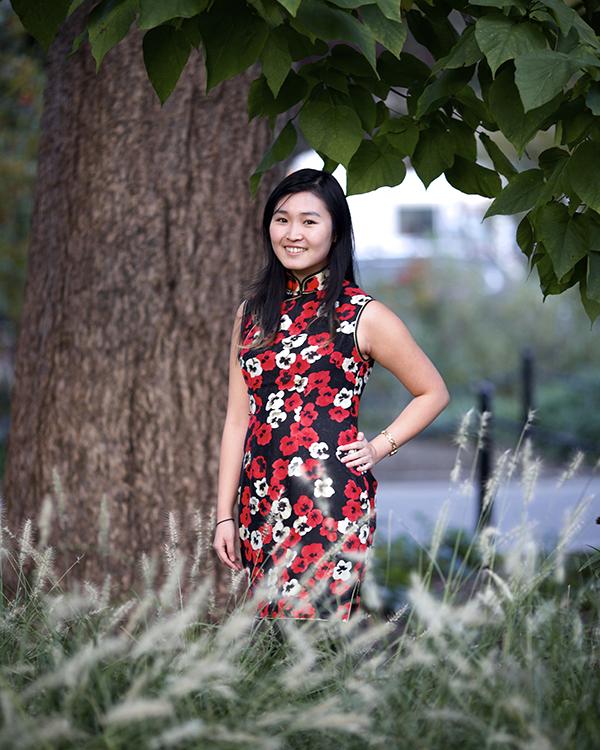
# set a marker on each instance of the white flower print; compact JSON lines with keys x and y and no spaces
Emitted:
{"x":261,"y":486}
{"x":275,"y":400}
{"x":363,"y":533}
{"x":347,"y":326}
{"x":253,"y":366}
{"x":342,"y":570}
{"x":281,"y":509}
{"x":291,"y":588}
{"x":300,"y":383}
{"x":350,"y":365}
{"x":279,"y":531}
{"x":295,"y":340}
{"x":295,"y":467}
{"x":301,"y":525}
{"x":324,"y":487}
{"x":345,"y":526}
{"x":310,"y":353}
{"x":343,"y":398}
{"x":256,"y":539}
{"x":275,"y":418}
{"x":285,"y":359}
{"x":319,"y":450}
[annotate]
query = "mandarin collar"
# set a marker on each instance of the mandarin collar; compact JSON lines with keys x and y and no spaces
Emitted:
{"x":313,"y":282}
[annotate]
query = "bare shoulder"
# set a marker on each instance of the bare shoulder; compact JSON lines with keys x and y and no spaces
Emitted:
{"x":380,"y":324}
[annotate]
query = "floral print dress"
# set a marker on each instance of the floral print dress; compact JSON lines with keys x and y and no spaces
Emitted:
{"x":306,"y":519}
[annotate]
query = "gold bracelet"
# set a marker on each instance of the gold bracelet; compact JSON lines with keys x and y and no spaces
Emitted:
{"x":392,"y":442}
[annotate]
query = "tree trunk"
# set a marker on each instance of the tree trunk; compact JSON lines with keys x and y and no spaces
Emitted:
{"x":142,"y":234}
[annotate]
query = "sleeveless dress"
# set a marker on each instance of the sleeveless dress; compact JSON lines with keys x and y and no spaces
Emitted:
{"x":306,"y":519}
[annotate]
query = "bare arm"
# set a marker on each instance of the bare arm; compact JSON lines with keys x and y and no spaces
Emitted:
{"x":232,"y":451}
{"x":382,"y":335}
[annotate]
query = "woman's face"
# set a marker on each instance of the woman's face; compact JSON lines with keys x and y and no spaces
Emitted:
{"x":301,"y":233}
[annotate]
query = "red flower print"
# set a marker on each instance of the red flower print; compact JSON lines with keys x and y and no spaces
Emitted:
{"x":338,"y":414}
{"x":329,"y":529}
{"x":308,"y":415}
{"x":326,"y":396}
{"x":313,"y":552}
{"x":352,"y":510}
{"x":314,"y":517}
{"x":293,"y":401}
{"x":352,"y":490}
{"x":303,"y":505}
{"x":288,"y":445}
{"x":264,"y":434}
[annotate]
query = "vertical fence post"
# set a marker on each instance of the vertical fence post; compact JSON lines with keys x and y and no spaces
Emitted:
{"x":486,"y":391}
{"x":526,"y":382}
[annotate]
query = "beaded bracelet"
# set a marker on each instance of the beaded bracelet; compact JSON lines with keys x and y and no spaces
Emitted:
{"x":392,"y":442}
{"x":224,"y":519}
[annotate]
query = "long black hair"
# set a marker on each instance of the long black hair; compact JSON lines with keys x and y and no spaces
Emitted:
{"x":267,"y":289}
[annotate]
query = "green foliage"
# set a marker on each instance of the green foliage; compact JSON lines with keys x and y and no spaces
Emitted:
{"x":514,"y":68}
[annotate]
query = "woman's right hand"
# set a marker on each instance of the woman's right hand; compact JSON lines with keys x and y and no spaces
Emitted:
{"x":224,"y":544}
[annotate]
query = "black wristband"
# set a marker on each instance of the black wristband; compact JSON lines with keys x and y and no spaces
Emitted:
{"x":224,"y":519}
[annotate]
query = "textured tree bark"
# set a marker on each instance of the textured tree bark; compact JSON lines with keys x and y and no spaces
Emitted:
{"x":142,"y":235}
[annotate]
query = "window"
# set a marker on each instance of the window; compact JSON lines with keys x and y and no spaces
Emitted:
{"x":416,"y":221}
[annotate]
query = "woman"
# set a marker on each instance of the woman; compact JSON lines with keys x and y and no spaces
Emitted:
{"x":292,"y":458}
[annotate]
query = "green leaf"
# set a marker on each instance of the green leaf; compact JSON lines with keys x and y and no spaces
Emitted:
{"x":233,"y":38}
{"x":401,"y":133}
{"x":591,"y":307}
{"x":520,"y":194}
{"x":155,"y":12}
{"x":262,"y":102}
{"x":279,"y":150}
{"x":501,"y":39}
{"x":506,"y":107}
{"x":166,"y":51}
{"x":465,"y":52}
{"x":390,"y":9}
{"x":371,"y":168}
{"x":389,"y":33}
{"x":593,"y":276}
{"x":276,"y":60}
{"x":433,"y":30}
{"x":332,"y":128}
{"x":329,"y":23}
{"x":501,"y":162}
{"x":472,"y":178}
{"x":565,"y":237}
{"x":443,"y":87}
{"x":463,"y":138}
{"x":583,"y":173}
{"x":567,"y":17}
{"x":364,"y":105}
{"x":290,"y":5}
{"x":406,"y":72}
{"x":42,"y":20}
{"x":592,"y":98}
{"x":434,"y":153}
{"x":540,"y":76}
{"x":108,"y":23}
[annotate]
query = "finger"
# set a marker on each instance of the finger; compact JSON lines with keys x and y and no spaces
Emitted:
{"x":223,"y":556}
{"x":231,"y":554}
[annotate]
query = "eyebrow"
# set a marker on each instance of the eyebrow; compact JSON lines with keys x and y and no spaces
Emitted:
{"x":304,"y":213}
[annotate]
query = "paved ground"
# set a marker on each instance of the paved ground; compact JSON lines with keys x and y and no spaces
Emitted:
{"x":414,"y":483}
